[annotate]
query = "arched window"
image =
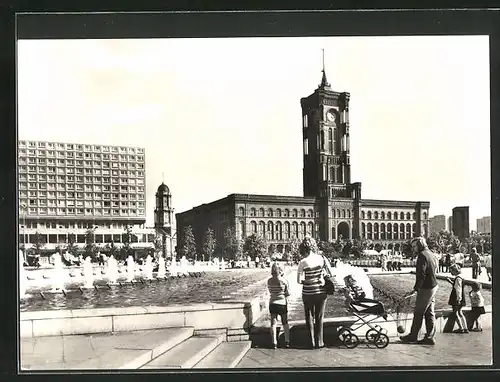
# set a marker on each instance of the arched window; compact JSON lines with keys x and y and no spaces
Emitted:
{"x":287,"y":230}
{"x":369,"y":215}
{"x":402,"y":231}
{"x":334,"y":236}
{"x":287,"y":212}
{"x":363,"y":230}
{"x":401,"y":216}
{"x":279,"y":233}
{"x":295,"y":230}
{"x":414,"y":229}
{"x":302,"y":232}
{"x":375,"y":215}
{"x":338,"y":212}
{"x":242,"y":211}
{"x":348,"y":214}
{"x":253,"y":226}
{"x":389,"y":231}
{"x":362,"y":214}
{"x":382,"y":215}
{"x":262,"y":228}
{"x":408,"y":231}
{"x":294,"y":213}
{"x":261,"y":212}
{"x":396,"y":231}
{"x":302,"y":213}
{"x":333,"y":213}
{"x":425,"y":215}
{"x":395,"y":216}
{"x":389,"y":216}
{"x":310,"y":213}
{"x":270,"y":231}
{"x":408,"y":216}
{"x":369,"y":231}
{"x":310,"y":228}
{"x":278,"y":212}
{"x":375,"y":232}
{"x":414,"y":216}
{"x":252,"y":212}
{"x":330,"y":140}
{"x":382,"y":231}
{"x":343,"y":214}
{"x":270,"y":213}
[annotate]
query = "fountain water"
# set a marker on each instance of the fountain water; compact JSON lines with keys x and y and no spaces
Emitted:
{"x":130,"y":268}
{"x":161,"y":267}
{"x":88,"y":273}
{"x":112,"y":273}
{"x":58,"y":279}
{"x":184,"y":265}
{"x":216,"y":263}
{"x":22,"y":276}
{"x":148,"y":268}
{"x":222,"y":264}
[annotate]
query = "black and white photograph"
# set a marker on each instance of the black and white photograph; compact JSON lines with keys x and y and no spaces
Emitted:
{"x":254,"y":202}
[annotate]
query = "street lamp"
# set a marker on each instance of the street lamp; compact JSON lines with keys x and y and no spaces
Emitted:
{"x":23,"y":210}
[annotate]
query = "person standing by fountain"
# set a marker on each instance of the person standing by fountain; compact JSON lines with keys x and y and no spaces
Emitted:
{"x":279,"y":291}
{"x":310,"y":275}
{"x":425,"y":287}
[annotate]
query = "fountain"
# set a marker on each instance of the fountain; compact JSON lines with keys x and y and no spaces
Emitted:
{"x":22,"y":276}
{"x":58,"y":279}
{"x":148,"y":268}
{"x":184,"y":265}
{"x":223,"y":264}
{"x":130,"y":268}
{"x":88,"y":273}
{"x":216,"y":263}
{"x":112,"y":272}
{"x":161,"y":267}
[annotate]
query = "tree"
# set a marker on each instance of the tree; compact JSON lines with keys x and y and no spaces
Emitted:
{"x":158,"y":243}
{"x":188,"y":243}
{"x":358,"y":247}
{"x":126,"y":240}
{"x":90,"y":248}
{"x":209,"y":244}
{"x":71,"y":246}
{"x":232,"y":249}
{"x":38,"y":243}
{"x":327,"y":248}
{"x":255,"y":245}
{"x":295,"y":249}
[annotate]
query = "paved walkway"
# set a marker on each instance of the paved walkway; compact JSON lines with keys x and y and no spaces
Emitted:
{"x":450,"y":350}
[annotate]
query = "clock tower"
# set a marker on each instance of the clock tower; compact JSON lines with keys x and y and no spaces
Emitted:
{"x":326,"y":155}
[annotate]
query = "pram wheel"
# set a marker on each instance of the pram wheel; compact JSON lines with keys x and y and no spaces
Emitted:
{"x":350,"y":340}
{"x":342,"y":333}
{"x":371,"y":335}
{"x":381,"y":341}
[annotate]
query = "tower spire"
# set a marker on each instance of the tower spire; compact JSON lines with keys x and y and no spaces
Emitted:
{"x":324,"y":81}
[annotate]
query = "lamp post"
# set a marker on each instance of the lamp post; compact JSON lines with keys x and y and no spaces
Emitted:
{"x":23,"y":210}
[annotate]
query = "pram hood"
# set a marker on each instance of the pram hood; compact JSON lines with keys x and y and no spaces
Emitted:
{"x":342,"y":270}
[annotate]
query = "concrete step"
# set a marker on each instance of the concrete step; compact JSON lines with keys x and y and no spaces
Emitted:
{"x":186,"y":354}
{"x":125,"y":350}
{"x":226,"y":355}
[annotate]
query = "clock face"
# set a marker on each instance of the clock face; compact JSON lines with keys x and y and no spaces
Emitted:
{"x":330,"y":115}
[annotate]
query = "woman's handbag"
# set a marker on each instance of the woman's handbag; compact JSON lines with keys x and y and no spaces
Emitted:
{"x":329,"y":286}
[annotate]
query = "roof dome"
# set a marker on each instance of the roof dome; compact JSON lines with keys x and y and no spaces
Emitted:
{"x":163,"y":189}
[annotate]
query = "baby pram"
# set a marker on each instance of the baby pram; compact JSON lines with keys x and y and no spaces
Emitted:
{"x":366,"y":311}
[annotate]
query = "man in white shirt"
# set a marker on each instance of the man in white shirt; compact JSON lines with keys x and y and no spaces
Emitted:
{"x":459,"y":259}
{"x":487,"y":265}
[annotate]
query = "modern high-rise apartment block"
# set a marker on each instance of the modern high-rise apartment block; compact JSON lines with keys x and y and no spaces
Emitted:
{"x":437,"y":223}
{"x":484,"y":225}
{"x":461,"y":227}
{"x":450,"y":223}
{"x":72,"y":187}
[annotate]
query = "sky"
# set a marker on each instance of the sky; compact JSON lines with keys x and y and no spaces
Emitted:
{"x":222,"y":116}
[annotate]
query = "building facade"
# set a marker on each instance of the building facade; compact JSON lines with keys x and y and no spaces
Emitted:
{"x":72,"y":187}
{"x":437,"y":223}
{"x":332,"y":206}
{"x":484,"y":225}
{"x":461,"y":227}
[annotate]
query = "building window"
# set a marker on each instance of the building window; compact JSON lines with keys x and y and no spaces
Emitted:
{"x":242,"y":211}
{"x":287,"y":230}
{"x":401,"y":216}
{"x":278,"y":212}
{"x":369,"y":216}
{"x":335,"y":215}
{"x":270,"y":212}
{"x":375,"y":215}
{"x":252,"y":212}
{"x":408,"y":216}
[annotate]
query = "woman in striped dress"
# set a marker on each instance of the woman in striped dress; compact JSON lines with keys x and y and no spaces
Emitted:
{"x":310,"y":275}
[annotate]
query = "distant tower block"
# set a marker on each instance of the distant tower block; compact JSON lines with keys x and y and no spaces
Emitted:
{"x":164,"y":215}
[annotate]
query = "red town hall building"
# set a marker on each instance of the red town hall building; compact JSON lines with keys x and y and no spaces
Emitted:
{"x":331,"y":207}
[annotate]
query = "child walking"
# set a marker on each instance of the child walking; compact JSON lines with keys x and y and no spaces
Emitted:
{"x":279,"y":291}
{"x":477,"y":304}
{"x":457,"y":298}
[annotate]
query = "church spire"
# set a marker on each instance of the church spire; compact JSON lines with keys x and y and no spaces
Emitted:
{"x":324,"y":81}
